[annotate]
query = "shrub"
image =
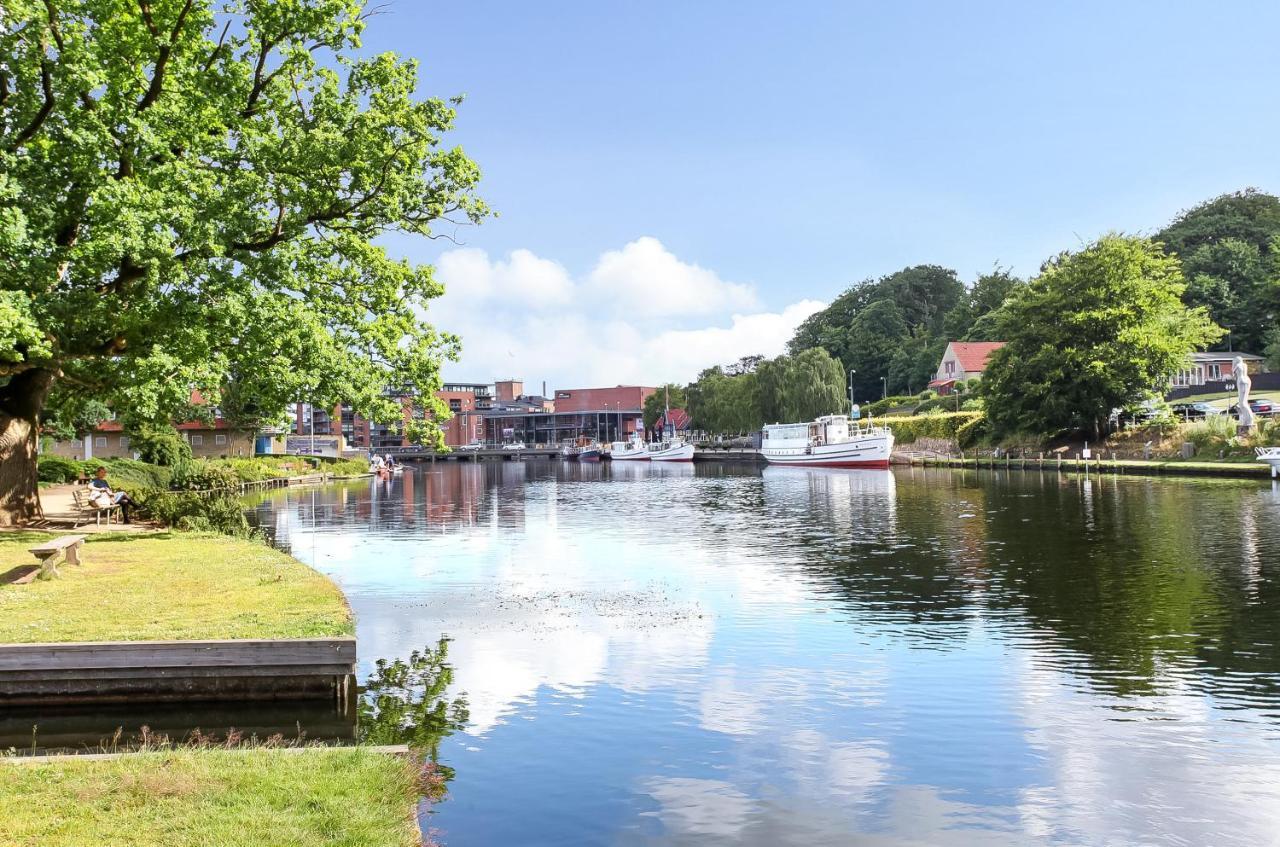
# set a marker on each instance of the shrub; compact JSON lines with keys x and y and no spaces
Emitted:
{"x":941,"y":425}
{"x":218,"y":512}
{"x":57,"y":469}
{"x":198,"y":475}
{"x":972,"y":431}
{"x":130,"y":472}
{"x":161,"y":446}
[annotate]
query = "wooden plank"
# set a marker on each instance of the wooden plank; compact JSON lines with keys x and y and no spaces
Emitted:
{"x":45,"y":657}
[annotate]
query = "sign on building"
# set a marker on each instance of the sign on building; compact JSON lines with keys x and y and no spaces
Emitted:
{"x":314,"y":445}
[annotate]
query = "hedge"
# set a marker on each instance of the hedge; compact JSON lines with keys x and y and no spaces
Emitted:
{"x":940,"y":425}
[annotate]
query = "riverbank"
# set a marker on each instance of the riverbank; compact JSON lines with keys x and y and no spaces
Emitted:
{"x":197,"y":797}
{"x":1100,"y":465}
{"x":168,"y":586}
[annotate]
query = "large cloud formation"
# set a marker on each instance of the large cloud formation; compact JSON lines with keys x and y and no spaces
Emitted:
{"x":639,"y":316}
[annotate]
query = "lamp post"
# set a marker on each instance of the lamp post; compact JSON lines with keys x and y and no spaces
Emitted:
{"x":884,"y":387}
{"x":851,"y":373}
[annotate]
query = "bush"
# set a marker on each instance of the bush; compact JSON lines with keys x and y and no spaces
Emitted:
{"x":880,"y":407}
{"x":199,"y":475}
{"x":57,"y":469}
{"x":161,"y":446}
{"x":972,"y":431}
{"x":940,"y":425}
{"x":218,"y":512}
{"x":130,"y":472}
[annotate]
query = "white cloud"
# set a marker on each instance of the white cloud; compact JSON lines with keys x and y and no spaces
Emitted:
{"x":640,"y":316}
{"x":647,"y":279}
{"x":524,"y":279}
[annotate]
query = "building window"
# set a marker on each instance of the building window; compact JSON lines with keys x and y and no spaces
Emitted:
{"x":219,"y":439}
{"x":951,"y":368}
{"x":197,"y":441}
{"x":124,"y":442}
{"x":100,"y":441}
{"x":1215,"y":371}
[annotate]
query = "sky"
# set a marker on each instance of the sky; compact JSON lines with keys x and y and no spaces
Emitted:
{"x":679,"y":184}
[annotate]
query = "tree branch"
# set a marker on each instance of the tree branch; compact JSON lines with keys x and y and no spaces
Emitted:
{"x":46,"y":85}
{"x":166,"y":50}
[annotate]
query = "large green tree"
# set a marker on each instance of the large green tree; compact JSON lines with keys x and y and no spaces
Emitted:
{"x":1230,"y":251}
{"x":190,"y":194}
{"x":1096,"y":331}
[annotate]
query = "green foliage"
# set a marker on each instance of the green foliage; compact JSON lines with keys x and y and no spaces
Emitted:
{"x":160,"y":445}
{"x":656,"y":402}
{"x":1096,"y":331}
{"x":220,"y":511}
{"x":73,"y":420}
{"x":973,"y":318}
{"x":191,"y":196}
{"x":58,"y":469}
{"x":407,"y":702}
{"x":1272,"y":350}
{"x":201,"y":475}
{"x":789,"y":388}
{"x":1230,"y":251}
{"x":128,"y":473}
{"x":897,"y":327}
{"x":973,"y":431}
{"x":939,"y":425}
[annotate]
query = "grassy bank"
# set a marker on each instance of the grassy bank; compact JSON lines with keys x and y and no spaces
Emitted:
{"x":231,"y":798}
{"x":172,"y":586}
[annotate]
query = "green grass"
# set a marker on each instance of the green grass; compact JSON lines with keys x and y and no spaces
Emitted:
{"x":173,"y":586}
{"x":195,"y":798}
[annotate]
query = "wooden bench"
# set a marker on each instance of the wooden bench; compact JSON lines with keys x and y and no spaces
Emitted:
{"x":85,"y":506}
{"x":53,"y":553}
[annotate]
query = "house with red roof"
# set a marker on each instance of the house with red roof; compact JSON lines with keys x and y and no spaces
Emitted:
{"x":962,"y":360}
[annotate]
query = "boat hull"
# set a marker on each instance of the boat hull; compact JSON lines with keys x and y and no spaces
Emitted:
{"x":675,"y":453}
{"x":872,"y":452}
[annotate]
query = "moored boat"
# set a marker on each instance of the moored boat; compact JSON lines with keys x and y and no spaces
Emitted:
{"x":828,"y":442}
{"x":633,"y":450}
{"x":590,"y":453}
{"x":671,"y":451}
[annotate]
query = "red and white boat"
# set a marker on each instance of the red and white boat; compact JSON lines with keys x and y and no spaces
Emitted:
{"x":828,"y":442}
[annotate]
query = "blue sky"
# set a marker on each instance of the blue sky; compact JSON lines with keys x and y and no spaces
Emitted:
{"x":797,"y":148}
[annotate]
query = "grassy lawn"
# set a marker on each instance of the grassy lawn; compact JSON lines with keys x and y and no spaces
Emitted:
{"x":194,"y":798}
{"x":172,"y":586}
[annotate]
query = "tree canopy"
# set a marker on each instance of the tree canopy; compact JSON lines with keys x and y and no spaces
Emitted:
{"x":897,"y":327}
{"x":191,"y":196}
{"x":787,"y":388}
{"x":1230,"y":251}
{"x":1098,"y":330}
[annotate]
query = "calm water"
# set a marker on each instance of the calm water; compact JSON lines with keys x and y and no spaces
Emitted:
{"x":711,"y":655}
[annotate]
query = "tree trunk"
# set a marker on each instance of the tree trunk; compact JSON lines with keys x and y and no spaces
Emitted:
{"x":20,"y":404}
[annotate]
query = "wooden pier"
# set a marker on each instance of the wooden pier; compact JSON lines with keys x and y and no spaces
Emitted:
{"x":167,"y":671}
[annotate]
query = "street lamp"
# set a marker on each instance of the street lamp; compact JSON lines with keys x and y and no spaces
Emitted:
{"x":851,"y":373}
{"x":884,"y":387}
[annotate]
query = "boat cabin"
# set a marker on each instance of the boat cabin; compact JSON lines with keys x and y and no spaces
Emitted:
{"x":828,"y":429}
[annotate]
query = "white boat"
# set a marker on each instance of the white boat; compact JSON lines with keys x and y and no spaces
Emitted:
{"x":828,"y":442}
{"x":671,"y":451}
{"x":671,"y":448}
{"x":634,"y":450}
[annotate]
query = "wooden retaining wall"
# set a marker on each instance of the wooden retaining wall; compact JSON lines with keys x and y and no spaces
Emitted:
{"x":164,"y":671}
{"x":1098,"y":464}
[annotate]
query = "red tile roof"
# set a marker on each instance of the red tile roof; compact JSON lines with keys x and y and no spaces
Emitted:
{"x":973,"y":355}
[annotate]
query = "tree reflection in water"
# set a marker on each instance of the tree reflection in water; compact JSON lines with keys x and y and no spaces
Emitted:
{"x":407,"y":702}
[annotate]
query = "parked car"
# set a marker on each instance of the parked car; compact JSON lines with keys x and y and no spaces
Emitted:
{"x":1193,"y":411}
{"x":1259,"y":407}
{"x":514,"y":445}
{"x":474,"y":445}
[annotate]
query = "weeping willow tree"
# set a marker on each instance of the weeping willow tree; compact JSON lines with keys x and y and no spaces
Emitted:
{"x":190,"y":193}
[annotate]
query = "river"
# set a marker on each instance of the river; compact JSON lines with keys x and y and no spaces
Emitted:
{"x":712,"y":654}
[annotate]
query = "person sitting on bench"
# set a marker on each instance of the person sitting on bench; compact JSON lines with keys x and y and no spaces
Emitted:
{"x":102,"y":491}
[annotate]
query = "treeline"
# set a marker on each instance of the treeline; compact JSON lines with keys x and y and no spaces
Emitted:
{"x":1099,"y":328}
{"x":754,"y":391}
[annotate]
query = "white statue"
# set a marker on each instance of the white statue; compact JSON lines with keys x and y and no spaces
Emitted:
{"x":1240,"y":372}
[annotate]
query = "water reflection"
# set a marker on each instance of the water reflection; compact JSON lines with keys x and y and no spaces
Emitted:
{"x":670,"y":655}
